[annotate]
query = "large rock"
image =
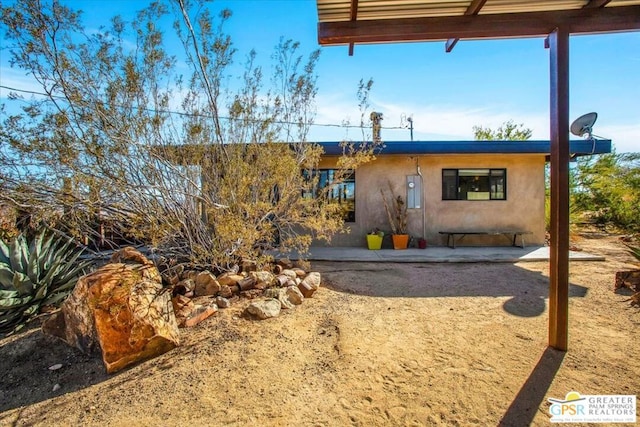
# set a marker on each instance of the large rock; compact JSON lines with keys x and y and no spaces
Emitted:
{"x":121,"y":311}
{"x":206,"y":284}
{"x":281,"y":295}
{"x":229,"y":279}
{"x":310,"y":284}
{"x":189,"y":312}
{"x":264,"y":309}
{"x":289,"y":273}
{"x":294,"y":296}
{"x":263,"y":279}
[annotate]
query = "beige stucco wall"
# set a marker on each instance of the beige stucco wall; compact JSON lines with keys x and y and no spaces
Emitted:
{"x":523,"y":209}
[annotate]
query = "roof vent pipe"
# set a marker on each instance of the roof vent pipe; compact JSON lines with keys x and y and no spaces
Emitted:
{"x":376,"y":120}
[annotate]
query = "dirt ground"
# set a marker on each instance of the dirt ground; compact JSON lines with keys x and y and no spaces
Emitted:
{"x":378,"y":345}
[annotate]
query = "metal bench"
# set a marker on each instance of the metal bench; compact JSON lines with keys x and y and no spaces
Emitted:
{"x":451,"y":235}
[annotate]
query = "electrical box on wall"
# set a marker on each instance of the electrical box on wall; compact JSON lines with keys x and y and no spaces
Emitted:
{"x":414,"y":191}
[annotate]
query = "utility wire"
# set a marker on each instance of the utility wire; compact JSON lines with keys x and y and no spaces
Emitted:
{"x":179,"y":113}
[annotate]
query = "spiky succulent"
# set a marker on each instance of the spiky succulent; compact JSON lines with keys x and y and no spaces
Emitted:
{"x":635,"y":251}
{"x":36,"y":273}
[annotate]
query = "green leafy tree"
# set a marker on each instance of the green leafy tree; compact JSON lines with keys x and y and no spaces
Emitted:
{"x":198,"y":168}
{"x":607,"y":189}
{"x":509,"y":131}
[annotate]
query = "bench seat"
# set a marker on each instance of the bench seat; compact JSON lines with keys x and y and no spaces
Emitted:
{"x":451,"y":235}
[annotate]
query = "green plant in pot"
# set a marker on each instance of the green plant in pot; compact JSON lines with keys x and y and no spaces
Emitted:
{"x":397,"y":216}
{"x":374,"y":239}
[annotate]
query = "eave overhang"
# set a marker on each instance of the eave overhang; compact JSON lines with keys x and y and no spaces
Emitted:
{"x":542,"y":147}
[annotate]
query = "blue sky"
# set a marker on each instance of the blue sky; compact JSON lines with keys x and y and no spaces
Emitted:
{"x":480,"y":83}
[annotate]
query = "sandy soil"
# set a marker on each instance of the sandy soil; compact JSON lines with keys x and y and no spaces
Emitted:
{"x":380,"y":344}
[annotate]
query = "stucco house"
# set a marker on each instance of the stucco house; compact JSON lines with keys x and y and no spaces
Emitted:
{"x":451,"y":185}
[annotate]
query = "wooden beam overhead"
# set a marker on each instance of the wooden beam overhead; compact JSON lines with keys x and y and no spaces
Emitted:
{"x":354,"y":16}
{"x":508,"y":25}
{"x":473,"y":9}
{"x":596,"y":3}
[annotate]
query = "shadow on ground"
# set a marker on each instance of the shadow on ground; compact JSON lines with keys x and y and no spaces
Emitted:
{"x":26,"y":360}
{"x":27,"y":357}
{"x":525,"y":405}
{"x":527,"y":289}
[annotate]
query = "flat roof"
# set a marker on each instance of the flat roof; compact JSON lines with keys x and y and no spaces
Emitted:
{"x":580,"y":147}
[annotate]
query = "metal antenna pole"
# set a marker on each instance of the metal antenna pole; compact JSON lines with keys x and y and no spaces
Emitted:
{"x":410,"y":120}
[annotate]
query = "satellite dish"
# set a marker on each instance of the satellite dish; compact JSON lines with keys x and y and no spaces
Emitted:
{"x":583,"y":124}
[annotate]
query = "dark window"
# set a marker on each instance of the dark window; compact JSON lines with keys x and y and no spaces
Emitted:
{"x":474,"y":184}
{"x":338,"y":187}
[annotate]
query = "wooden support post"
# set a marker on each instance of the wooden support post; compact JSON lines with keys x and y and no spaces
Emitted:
{"x":559,"y":250}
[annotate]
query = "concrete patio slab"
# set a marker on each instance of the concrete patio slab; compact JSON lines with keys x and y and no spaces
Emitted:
{"x":440,"y":254}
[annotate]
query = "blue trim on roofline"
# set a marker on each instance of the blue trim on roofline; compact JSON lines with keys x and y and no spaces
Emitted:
{"x":576,"y":147}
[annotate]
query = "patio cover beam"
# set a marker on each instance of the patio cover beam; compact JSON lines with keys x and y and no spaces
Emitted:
{"x":597,"y":3}
{"x":504,"y":25}
{"x":559,"y":165}
{"x":473,"y":9}
{"x":354,"y":16}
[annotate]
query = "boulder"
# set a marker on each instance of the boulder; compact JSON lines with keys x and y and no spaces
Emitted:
{"x":264,"y":309}
{"x":120,"y":311}
{"x":310,"y":284}
{"x":129,"y":255}
{"x":223,"y":302}
{"x":206,"y":284}
{"x":313,"y":279}
{"x":200,"y":313}
{"x":299,"y":272}
{"x":271,"y":293}
{"x":191,"y":312}
{"x":289,"y":273}
{"x":229,"y":279}
{"x":263,"y":279}
{"x":281,"y":295}
{"x":225,"y":291}
{"x":294,"y":296}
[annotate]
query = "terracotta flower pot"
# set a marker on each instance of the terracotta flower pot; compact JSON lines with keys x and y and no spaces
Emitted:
{"x":400,"y":241}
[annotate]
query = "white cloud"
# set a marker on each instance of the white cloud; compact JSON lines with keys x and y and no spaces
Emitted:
{"x":450,"y":122}
{"x":431,"y":122}
{"x":18,"y":79}
{"x":625,"y":138}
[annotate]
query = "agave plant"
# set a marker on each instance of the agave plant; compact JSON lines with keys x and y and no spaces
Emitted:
{"x":35,"y":274}
{"x":635,"y":251}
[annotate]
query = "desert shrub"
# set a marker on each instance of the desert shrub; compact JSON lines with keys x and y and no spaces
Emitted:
{"x":7,"y":223}
{"x":133,"y":130}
